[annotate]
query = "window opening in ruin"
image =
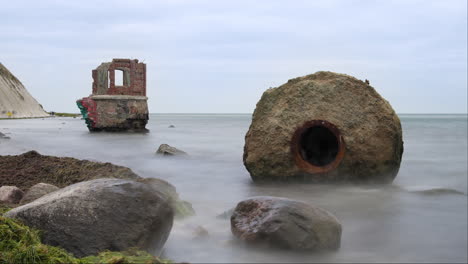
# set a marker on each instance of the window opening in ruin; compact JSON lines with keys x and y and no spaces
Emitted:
{"x":319,"y":146}
{"x":119,"y":76}
{"x":108,"y":79}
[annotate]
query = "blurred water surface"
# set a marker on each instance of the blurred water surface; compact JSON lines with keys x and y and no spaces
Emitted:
{"x":421,"y":217}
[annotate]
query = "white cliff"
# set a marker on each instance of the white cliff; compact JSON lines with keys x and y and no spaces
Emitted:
{"x":15,"y":100}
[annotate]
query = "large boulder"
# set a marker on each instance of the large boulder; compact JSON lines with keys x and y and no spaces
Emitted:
{"x":284,"y":223}
{"x":10,"y":194}
{"x":324,"y":127}
{"x":37,"y":191}
{"x":104,"y":214}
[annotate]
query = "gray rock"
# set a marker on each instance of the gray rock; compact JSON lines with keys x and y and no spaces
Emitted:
{"x":3,"y":136}
{"x":285,"y":223}
{"x":37,"y":191}
{"x":324,"y":127}
{"x":104,"y":214}
{"x":166,"y":150}
{"x":10,"y":194}
{"x":200,"y":232}
{"x":171,"y":126}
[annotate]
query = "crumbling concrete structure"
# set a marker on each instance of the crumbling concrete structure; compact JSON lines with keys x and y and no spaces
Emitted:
{"x":115,"y":106}
{"x":324,"y":127}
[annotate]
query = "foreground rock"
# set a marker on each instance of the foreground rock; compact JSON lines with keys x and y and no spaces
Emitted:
{"x":324,"y":127}
{"x":104,"y":214}
{"x":10,"y":194}
{"x":30,"y":168}
{"x":285,"y":223}
{"x":37,"y":191}
{"x":166,"y":150}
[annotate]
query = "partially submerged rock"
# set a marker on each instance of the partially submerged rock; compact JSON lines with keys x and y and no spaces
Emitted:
{"x":3,"y":136}
{"x":37,"y":191}
{"x":285,"y":223}
{"x":181,"y":208}
{"x":104,"y":214}
{"x":324,"y":127}
{"x":10,"y":194}
{"x":166,"y":150}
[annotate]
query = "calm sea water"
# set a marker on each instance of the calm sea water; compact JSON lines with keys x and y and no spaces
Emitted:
{"x":421,"y":217}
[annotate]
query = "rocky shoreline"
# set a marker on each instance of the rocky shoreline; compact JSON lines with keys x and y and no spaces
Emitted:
{"x":65,"y":198}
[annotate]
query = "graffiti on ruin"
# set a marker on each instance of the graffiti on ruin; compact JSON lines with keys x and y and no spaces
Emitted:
{"x":118,"y":101}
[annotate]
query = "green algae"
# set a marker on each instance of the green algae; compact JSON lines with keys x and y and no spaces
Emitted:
{"x":22,"y":244}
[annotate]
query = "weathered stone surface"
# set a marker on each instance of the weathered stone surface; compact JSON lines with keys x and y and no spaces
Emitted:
{"x":285,"y":223}
{"x":324,"y":127}
{"x":37,"y":191}
{"x":166,"y":150}
{"x":10,"y":194}
{"x":114,"y":106}
{"x":89,"y":217}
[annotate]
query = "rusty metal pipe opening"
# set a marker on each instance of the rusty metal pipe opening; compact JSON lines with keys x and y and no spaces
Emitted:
{"x":317,"y":146}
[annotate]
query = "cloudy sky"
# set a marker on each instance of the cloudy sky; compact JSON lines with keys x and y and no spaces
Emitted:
{"x":219,"y":56}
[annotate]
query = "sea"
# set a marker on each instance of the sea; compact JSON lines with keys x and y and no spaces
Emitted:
{"x":420,"y":217}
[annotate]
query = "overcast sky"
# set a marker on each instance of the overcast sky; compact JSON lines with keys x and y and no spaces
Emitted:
{"x":219,"y":56}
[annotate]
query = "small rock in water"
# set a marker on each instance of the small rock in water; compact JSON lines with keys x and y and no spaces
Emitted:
{"x":439,"y":191}
{"x":10,"y":194}
{"x":171,"y":126}
{"x":3,"y":136}
{"x":200,"y":232}
{"x":284,"y":223}
{"x":167,"y":150}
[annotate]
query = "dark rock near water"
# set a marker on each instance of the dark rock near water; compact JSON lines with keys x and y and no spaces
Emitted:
{"x":30,"y":168}
{"x":166,"y":150}
{"x":324,"y":127}
{"x":37,"y":191}
{"x":285,"y":223}
{"x":10,"y":194}
{"x":104,"y":214}
{"x":171,"y":126}
{"x":439,"y":191}
{"x":3,"y":136}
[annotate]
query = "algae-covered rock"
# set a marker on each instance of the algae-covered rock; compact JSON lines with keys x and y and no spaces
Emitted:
{"x":30,"y":168}
{"x":285,"y":223}
{"x":324,"y":127}
{"x":104,"y":214}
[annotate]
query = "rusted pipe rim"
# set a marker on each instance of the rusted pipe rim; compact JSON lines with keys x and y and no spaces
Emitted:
{"x":317,"y":146}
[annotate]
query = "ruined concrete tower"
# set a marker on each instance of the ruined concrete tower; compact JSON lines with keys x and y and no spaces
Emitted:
{"x":118,"y":101}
